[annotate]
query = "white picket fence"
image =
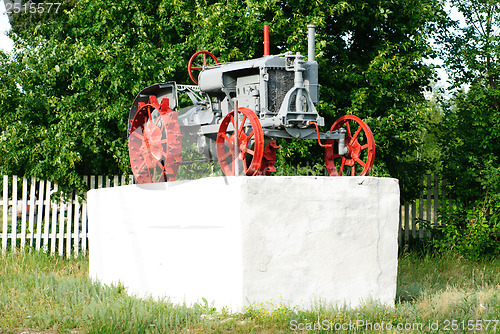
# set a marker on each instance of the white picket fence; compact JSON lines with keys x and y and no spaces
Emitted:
{"x":32,"y":220}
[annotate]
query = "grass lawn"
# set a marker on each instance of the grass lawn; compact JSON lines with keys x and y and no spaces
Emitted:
{"x":47,"y":294}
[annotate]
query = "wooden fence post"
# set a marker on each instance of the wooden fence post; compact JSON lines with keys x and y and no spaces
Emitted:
{"x":31,"y":207}
{"x":76,"y":227}
{"x":5,"y":223}
{"x":53,"y":233}
{"x":24,"y":213}
{"x":47,"y":207}
{"x":69,"y":226}
{"x":62,"y":208}
{"x":84,"y":219}
{"x":13,"y":239}
{"x":39,"y":213}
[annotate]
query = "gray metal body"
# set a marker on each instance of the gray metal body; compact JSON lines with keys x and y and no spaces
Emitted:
{"x":280,"y":89}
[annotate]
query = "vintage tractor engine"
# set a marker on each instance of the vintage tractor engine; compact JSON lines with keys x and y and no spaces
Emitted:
{"x":274,"y":97}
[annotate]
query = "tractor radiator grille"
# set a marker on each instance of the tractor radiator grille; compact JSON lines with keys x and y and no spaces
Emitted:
{"x":280,"y":82}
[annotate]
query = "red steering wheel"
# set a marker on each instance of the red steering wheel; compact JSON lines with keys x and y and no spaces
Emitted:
{"x":192,"y":66}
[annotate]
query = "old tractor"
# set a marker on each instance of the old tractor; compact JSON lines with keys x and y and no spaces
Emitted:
{"x":264,"y":99}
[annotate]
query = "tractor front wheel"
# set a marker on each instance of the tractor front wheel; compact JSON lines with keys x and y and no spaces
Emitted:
{"x":358,"y":161}
{"x":250,"y":143}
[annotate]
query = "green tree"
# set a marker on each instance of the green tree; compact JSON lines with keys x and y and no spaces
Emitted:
{"x":80,"y":70}
{"x":469,"y":134}
{"x":471,"y":50}
{"x":470,"y":127}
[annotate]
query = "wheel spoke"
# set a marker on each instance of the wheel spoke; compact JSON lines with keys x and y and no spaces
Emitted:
{"x":149,"y":173}
{"x":159,"y":172}
{"x":223,"y":135}
{"x":158,"y":121}
{"x":249,"y":151}
{"x":163,"y":176}
{"x":155,"y":168}
{"x":204,"y":59}
{"x":242,"y":123}
{"x":250,"y":135}
{"x":245,"y":167}
{"x":348,"y":127}
{"x":225,"y":156}
{"x":142,"y":165}
{"x":149,"y":112}
{"x":361,"y":162}
{"x":136,"y":134}
{"x":163,"y":172}
{"x":365,"y":146}
{"x":158,"y":162}
{"x":356,"y":134}
{"x":146,"y":141}
{"x":353,"y":171}
{"x":342,"y":166}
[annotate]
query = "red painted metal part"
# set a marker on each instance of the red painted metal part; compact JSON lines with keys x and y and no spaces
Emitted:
{"x":250,"y":143}
{"x":266,"y":40}
{"x":268,"y":159}
{"x":155,"y":142}
{"x":360,"y":143}
{"x":329,"y":143}
{"x":192,"y":67}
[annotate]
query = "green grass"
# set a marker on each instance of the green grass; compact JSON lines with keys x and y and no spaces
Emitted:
{"x":40,"y":293}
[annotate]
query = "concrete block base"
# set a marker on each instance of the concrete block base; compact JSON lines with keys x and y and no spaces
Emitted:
{"x":240,"y":240}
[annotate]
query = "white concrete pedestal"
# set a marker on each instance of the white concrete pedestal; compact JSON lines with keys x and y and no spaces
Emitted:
{"x":234,"y":241}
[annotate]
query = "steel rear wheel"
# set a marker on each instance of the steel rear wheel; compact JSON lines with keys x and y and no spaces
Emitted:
{"x":155,"y":143}
{"x":361,"y":149}
{"x":250,"y":143}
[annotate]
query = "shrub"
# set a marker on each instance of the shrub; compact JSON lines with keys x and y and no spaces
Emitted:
{"x":472,"y":229}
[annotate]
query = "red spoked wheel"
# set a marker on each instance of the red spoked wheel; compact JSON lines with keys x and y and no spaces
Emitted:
{"x":361,"y":149}
{"x":155,"y":142}
{"x":197,"y":66}
{"x":250,"y":143}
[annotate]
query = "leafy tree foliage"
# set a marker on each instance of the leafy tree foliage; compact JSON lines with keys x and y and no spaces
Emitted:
{"x":78,"y":73}
{"x":372,"y":54}
{"x":469,"y":134}
{"x":471,"y":51}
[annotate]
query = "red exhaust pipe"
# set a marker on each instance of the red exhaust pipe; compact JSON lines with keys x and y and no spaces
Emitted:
{"x":266,"y":40}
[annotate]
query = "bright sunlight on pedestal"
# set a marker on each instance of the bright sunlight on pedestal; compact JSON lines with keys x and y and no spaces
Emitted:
{"x":239,"y":240}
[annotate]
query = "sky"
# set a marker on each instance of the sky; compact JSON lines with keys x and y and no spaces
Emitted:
{"x":5,"y":42}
